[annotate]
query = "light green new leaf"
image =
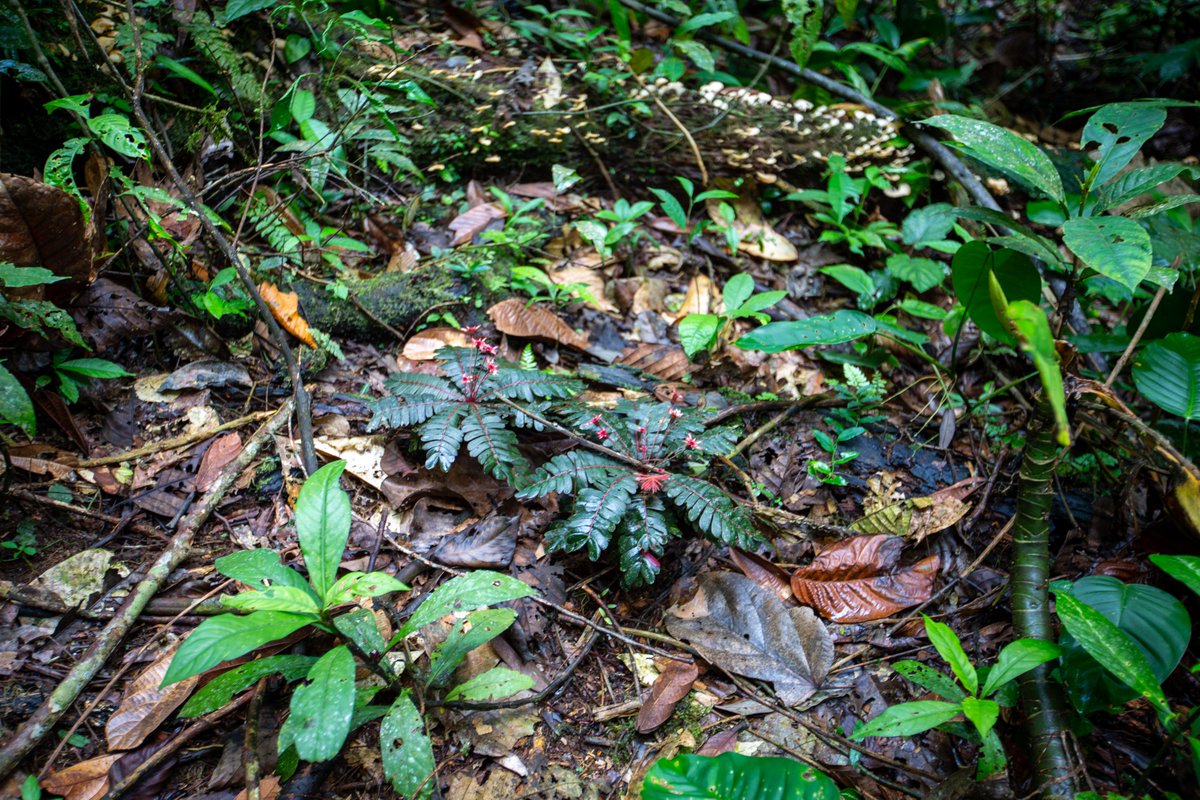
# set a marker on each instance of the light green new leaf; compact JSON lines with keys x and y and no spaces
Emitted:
{"x":322,"y":708}
{"x":466,"y":593}
{"x":732,"y":776}
{"x":15,"y":406}
{"x":495,"y":684}
{"x":479,"y":628}
{"x":1004,"y":150}
{"x":92,"y":368}
{"x":359,"y":584}
{"x":1167,"y":372}
{"x":1033,"y":332}
{"x":836,"y":328}
{"x":1016,"y":659}
{"x":907,"y":719}
{"x":15,"y":277}
{"x":323,"y":524}
{"x":950,"y":649}
{"x":228,"y":636}
{"x":922,"y":273}
{"x":1185,"y":569}
{"x":1116,"y":247}
{"x":737,"y":291}
{"x":969,"y":271}
{"x":1111,"y":647}
{"x":698,"y":332}
{"x":1118,"y":130}
{"x":407,"y":752}
{"x":275,"y":598}
{"x":221,"y":689}
{"x":982,"y":713}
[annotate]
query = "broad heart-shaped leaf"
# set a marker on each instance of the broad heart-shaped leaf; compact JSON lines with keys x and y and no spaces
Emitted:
{"x":946,"y":642}
{"x":733,"y":776}
{"x":931,"y":679}
{"x":907,"y":719}
{"x":594,"y":517}
{"x":260,"y":568}
{"x":466,"y":593}
{"x":321,"y":709}
{"x":1167,"y":372}
{"x":698,"y":332}
{"x":836,"y":328}
{"x":736,"y":624}
{"x":1119,"y":130}
{"x":1111,"y":647}
{"x":982,"y":713}
{"x":407,"y":752}
{"x":228,"y":636}
{"x":1015,"y":660}
{"x":495,"y":684}
{"x":16,"y":407}
{"x":221,"y":689}
{"x":1004,"y":150}
{"x":275,"y":598}
{"x":479,"y":628}
{"x":1185,"y":569}
{"x":969,"y":272}
{"x":323,"y":524}
{"x":1116,"y":247}
{"x":1036,"y":340}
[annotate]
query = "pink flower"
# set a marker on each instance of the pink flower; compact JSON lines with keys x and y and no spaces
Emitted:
{"x":651,"y":482}
{"x":594,"y":420}
{"x":471,"y":329}
{"x":675,"y":413}
{"x":642,"y":429}
{"x":491,"y":367}
{"x":602,"y":434}
{"x":690,"y":443}
{"x":479,"y":343}
{"x":489,"y":349}
{"x":468,"y":379}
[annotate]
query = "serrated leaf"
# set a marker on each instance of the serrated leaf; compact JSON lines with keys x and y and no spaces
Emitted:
{"x":595,"y":516}
{"x":466,"y":593}
{"x":1004,"y":150}
{"x":442,"y":437}
{"x":492,"y":444}
{"x":407,"y":752}
{"x":1116,"y":247}
{"x":732,"y":776}
{"x":929,"y":223}
{"x":495,"y":684}
{"x":644,"y":534}
{"x":479,"y":628}
{"x":225,"y":637}
{"x":221,"y":689}
{"x":321,"y":708}
{"x":922,"y":273}
{"x":323,"y":525}
{"x":569,"y":472}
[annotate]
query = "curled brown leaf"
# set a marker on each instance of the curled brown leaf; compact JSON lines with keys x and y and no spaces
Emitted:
{"x":855,"y":580}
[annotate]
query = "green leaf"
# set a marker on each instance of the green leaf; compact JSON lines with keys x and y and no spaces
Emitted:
{"x":982,"y":713}
{"x":644,"y":534}
{"x":1136,"y":182}
{"x":758,"y":302}
{"x":907,"y":719}
{"x":360,"y":584}
{"x":221,"y":689}
{"x":495,"y":684}
{"x":302,"y":105}
{"x":1037,"y":341}
{"x":931,"y":679}
{"x":236,"y":9}
{"x":806,"y":18}
{"x":1015,"y":660}
{"x":15,"y":277}
{"x":711,"y":510}
{"x":1185,"y":569}
{"x":92,"y":368}
{"x":260,"y":568}
{"x":1118,"y":130}
{"x":321,"y":709}
{"x":737,"y":291}
{"x":969,"y":272}
{"x":697,"y":53}
{"x":931,"y":223}
{"x":950,"y":649}
{"x":672,"y":208}
{"x":698,"y":332}
{"x":323,"y":525}
{"x":16,"y":408}
{"x":116,"y":131}
{"x":1167,"y":373}
{"x":732,"y":776}
{"x":275,"y":598}
{"x":360,"y":627}
{"x":407,"y":752}
{"x":479,"y":628}
{"x":922,"y":273}
{"x":836,"y":328}
{"x":225,"y":637}
{"x":855,"y":279}
{"x":703,"y":21}
{"x":1111,"y":647}
{"x":1004,"y":150}
{"x":466,"y":593}
{"x":992,"y":760}
{"x":595,"y":516}
{"x":493,"y":445}
{"x":570,"y":472}
{"x":1116,"y":247}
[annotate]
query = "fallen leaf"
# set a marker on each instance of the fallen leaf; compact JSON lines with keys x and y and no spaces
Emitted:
{"x":698,"y":299}
{"x":77,"y":578}
{"x":285,"y":307}
{"x":767,"y":575}
{"x":472,"y":221}
{"x":918,"y":517}
{"x":721,"y":742}
{"x":86,"y":780}
{"x":423,"y":345}
{"x":219,"y":454}
{"x":145,"y":705}
{"x":757,"y":237}
{"x":673,"y":684}
{"x":40,"y":460}
{"x":209,"y":374}
{"x":591,"y":279}
{"x":43,"y":226}
{"x":739,"y":626}
{"x":515,"y":318}
{"x":363,"y":455}
{"x":666,"y":361}
{"x":851,"y":580}
{"x":551,"y":89}
{"x":268,"y":789}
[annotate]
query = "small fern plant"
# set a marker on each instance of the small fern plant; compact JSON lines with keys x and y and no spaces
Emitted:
{"x":474,"y":404}
{"x":638,"y":493}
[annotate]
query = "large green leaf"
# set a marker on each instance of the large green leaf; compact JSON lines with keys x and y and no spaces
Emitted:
{"x":969,"y":272}
{"x":1185,"y":569}
{"x":1167,"y":372}
{"x":15,"y":406}
{"x":1119,"y":130}
{"x":407,"y":752}
{"x":322,"y":708}
{"x":907,"y":719}
{"x":466,"y":593}
{"x":275,"y":598}
{"x":1037,"y":341}
{"x":1004,"y":150}
{"x":1015,"y":660}
{"x":479,"y":628}
{"x":236,"y":9}
{"x":323,"y":524}
{"x":840,"y":326}
{"x":221,"y":689}
{"x":1157,"y":622}
{"x":732,"y":776}
{"x":495,"y":684}
{"x":228,"y":636}
{"x":698,"y":332}
{"x":260,"y":568}
{"x":950,"y":649}
{"x":1116,"y":247}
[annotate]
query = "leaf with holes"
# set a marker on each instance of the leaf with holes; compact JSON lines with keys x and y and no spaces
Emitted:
{"x":466,"y":593}
{"x":1118,"y":130}
{"x":479,"y":628}
{"x":321,"y":708}
{"x":407,"y":752}
{"x":1116,"y":247}
{"x":495,"y":684}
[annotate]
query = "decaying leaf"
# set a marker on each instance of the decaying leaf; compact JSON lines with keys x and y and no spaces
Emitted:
{"x":145,"y":705}
{"x":285,"y":307}
{"x":86,"y":780}
{"x":219,"y":454}
{"x":268,"y":789}
{"x":472,"y":221}
{"x":666,"y":361}
{"x":77,"y":578}
{"x":40,"y":460}
{"x":423,"y":345}
{"x":591,"y":278}
{"x":673,"y":684}
{"x":758,"y":239}
{"x":918,"y":517}
{"x":363,"y":455}
{"x":741,"y":627}
{"x":764,"y":573}
{"x":854,"y":580}
{"x":43,"y":226}
{"x":514,"y":318}
{"x":698,"y":300}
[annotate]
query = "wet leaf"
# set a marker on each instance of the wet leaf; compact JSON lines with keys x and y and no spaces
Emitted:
{"x":145,"y":706}
{"x":472,"y":221}
{"x":87,"y":780}
{"x":285,"y":307}
{"x":918,"y":517}
{"x":321,"y":709}
{"x":43,"y":226}
{"x":408,"y":758}
{"x":672,"y":685}
{"x":854,"y":580}
{"x":741,"y":627}
{"x":767,"y":575}
{"x":515,"y":318}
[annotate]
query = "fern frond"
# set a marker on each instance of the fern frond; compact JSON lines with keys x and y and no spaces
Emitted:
{"x":716,"y":441}
{"x":521,"y":384}
{"x":397,"y":412}
{"x":571,"y":471}
{"x":711,"y":510}
{"x":644,"y":534}
{"x":211,"y":41}
{"x":493,"y":445}
{"x":416,"y":386}
{"x":459,"y":361}
{"x":596,"y":514}
{"x":441,"y":437}
{"x":523,"y":420}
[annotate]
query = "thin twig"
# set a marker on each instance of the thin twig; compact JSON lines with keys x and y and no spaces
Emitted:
{"x":1137,"y":336}
{"x":676,"y":122}
{"x":176,"y":441}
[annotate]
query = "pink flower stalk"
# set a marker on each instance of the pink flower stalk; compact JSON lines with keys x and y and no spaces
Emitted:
{"x":488,"y":349}
{"x":690,"y":443}
{"x":491,"y":367}
{"x":468,"y":379}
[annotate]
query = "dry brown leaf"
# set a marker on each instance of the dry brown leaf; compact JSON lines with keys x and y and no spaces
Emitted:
{"x":666,"y":361}
{"x":40,"y":460}
{"x":423,"y":345}
{"x":268,"y":789}
{"x":145,"y":705}
{"x":592,"y":279}
{"x":223,"y":450}
{"x":285,"y":307}
{"x":86,"y":780}
{"x":42,"y":226}
{"x":698,"y":299}
{"x":514,"y":318}
{"x":852,"y":581}
{"x":673,"y":684}
{"x":472,"y":221}
{"x":767,"y":575}
{"x":550,"y":91}
{"x":758,"y":239}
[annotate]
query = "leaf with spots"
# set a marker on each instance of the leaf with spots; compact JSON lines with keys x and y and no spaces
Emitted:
{"x":479,"y":628}
{"x":407,"y":752}
{"x":466,"y":593}
{"x":322,"y":708}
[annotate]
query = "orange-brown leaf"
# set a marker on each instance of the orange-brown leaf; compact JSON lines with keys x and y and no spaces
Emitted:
{"x":285,"y":307}
{"x":666,"y":361}
{"x":855,"y":580}
{"x":423,"y":345}
{"x":672,"y":686}
{"x":513,"y":317}
{"x":87,"y":780}
{"x":472,"y":221}
{"x":763,"y":572}
{"x":43,"y":226}
{"x":145,"y":705}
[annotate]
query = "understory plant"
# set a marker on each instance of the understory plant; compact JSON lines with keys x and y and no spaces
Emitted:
{"x":733,"y":776}
{"x":703,"y":332}
{"x":336,"y":615}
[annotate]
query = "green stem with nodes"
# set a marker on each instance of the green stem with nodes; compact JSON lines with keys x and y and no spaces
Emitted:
{"x":1041,"y":698}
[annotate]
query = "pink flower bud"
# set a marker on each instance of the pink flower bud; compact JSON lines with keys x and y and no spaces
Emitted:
{"x":602,"y":434}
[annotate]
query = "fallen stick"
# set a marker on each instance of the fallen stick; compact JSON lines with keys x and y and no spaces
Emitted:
{"x":172,"y":443}
{"x":43,"y":721}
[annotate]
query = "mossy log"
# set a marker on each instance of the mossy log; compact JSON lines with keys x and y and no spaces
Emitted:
{"x":398,"y":299}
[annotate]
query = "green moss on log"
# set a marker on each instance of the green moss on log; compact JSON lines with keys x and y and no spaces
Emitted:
{"x":396,"y":298}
